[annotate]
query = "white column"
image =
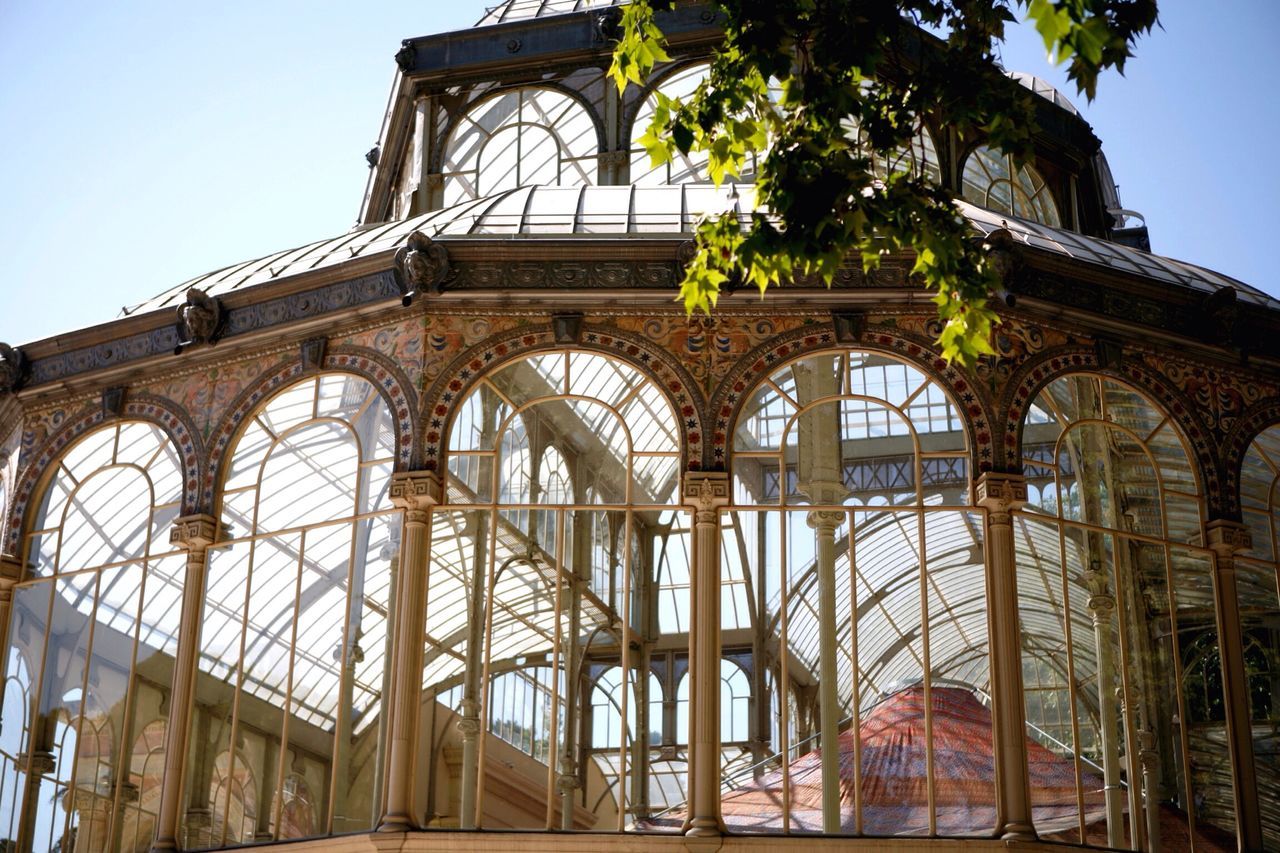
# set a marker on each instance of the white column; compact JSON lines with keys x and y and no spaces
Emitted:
{"x":1102,"y":606}
{"x":415,"y":492}
{"x":194,"y":534}
{"x":824,"y":524}
{"x":706,"y":492}
{"x":1000,"y":495}
{"x":1226,"y":539}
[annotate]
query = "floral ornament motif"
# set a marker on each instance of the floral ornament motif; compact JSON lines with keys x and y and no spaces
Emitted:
{"x":710,"y":347}
{"x":734,"y":390}
{"x":456,"y":381}
{"x":1221,"y":397}
{"x":1014,"y":342}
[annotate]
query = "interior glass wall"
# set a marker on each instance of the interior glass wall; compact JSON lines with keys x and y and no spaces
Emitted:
{"x":286,"y":726}
{"x":994,"y":181}
{"x":516,"y":139}
{"x":1123,"y":696}
{"x":854,"y":609}
{"x":1258,"y":585}
{"x":90,"y":647}
{"x":556,"y":549}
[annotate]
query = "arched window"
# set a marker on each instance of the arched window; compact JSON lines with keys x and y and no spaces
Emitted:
{"x":1258,"y":591}
{"x":688,"y":168}
{"x":994,"y":181}
{"x":549,"y":593}
{"x":295,"y":607}
{"x":97,"y":608}
{"x":1118,"y":622}
{"x":145,"y":776}
{"x":1258,"y":571}
{"x":519,"y":138}
{"x":233,"y":794}
{"x":850,"y":548}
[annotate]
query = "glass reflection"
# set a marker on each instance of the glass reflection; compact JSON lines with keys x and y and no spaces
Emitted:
{"x":286,"y":726}
{"x":1119,"y":626}
{"x":867,"y":604}
{"x":90,"y":644}
{"x":545,"y":592}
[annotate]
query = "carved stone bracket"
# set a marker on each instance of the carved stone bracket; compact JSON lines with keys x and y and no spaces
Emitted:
{"x":311,"y":352}
{"x":1225,"y":537}
{"x":1000,"y":492}
{"x":567,"y":327}
{"x":415,"y":490}
{"x":113,"y":402}
{"x":422,"y":265}
{"x":604,"y":27}
{"x":614,"y":159}
{"x":848,"y":325}
{"x":1004,"y":255}
{"x":200,"y":319}
{"x":193,"y":532}
{"x":705,"y":491}
{"x":1109,"y":352}
{"x":13,"y":369}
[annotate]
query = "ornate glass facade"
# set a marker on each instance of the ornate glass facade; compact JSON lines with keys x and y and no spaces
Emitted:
{"x":456,"y":524}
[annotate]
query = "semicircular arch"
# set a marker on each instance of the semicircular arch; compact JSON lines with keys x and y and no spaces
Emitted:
{"x":1032,"y":378}
{"x":384,"y":375}
{"x":559,"y":119}
{"x":460,"y":377}
{"x":1256,"y":420}
{"x":730,"y":396}
{"x":162,"y":413}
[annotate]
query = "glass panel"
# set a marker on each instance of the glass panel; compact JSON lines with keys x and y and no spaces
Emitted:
{"x":1120,"y":651}
{"x":540,"y":602}
{"x":519,"y":138}
{"x":991,"y":180}
{"x":287,"y":724}
{"x":90,"y":649}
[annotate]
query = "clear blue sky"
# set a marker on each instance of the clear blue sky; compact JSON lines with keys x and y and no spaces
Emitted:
{"x":145,"y":142}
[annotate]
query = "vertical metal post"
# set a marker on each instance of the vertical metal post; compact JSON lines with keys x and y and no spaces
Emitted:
{"x":415,"y":493}
{"x":194,"y":534}
{"x":706,"y":492}
{"x":1000,"y":495}
{"x":1102,"y":605}
{"x":1226,"y":539}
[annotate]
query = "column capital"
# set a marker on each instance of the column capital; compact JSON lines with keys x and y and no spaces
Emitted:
{"x":705,"y":491}
{"x":1225,"y":537}
{"x":10,"y":571}
{"x":193,"y":532}
{"x":1000,"y":492}
{"x":415,"y":490}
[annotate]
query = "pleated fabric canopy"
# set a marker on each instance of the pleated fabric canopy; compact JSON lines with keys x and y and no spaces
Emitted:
{"x":894,"y":796}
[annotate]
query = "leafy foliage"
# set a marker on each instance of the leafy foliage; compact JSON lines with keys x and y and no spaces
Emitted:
{"x":822,"y":98}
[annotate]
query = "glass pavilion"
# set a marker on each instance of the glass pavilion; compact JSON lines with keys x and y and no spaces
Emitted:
{"x":461,"y":527}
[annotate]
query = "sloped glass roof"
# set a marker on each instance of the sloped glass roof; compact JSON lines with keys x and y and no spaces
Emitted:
{"x":518,"y":10}
{"x":662,"y":212}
